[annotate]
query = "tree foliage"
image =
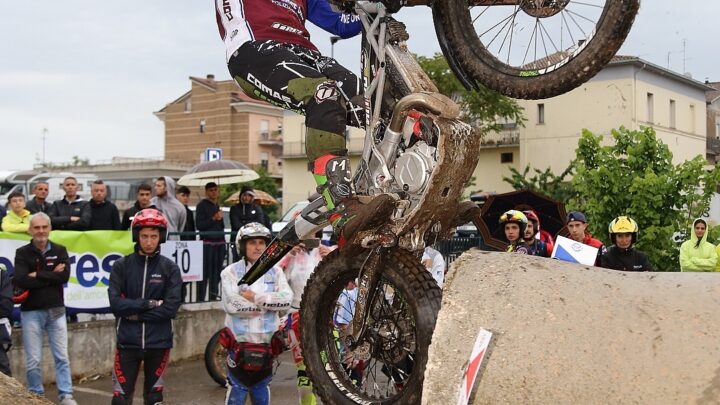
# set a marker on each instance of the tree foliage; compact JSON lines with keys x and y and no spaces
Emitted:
{"x":636,"y":177}
{"x":557,"y":187}
{"x":264,"y":183}
{"x":481,"y":107}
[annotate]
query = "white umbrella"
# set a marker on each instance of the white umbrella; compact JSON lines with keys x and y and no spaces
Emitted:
{"x":218,"y":171}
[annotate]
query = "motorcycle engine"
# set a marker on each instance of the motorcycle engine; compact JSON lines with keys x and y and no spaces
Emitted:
{"x":413,"y":168}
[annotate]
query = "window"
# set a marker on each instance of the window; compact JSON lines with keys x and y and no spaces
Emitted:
{"x":264,"y":129}
{"x":188,"y":105}
{"x":202,"y":126}
{"x":264,"y":160}
{"x":672,"y":114}
{"x":650,"y":107}
{"x":717,"y":130}
{"x":541,"y":114}
{"x":506,"y":157}
{"x":692,"y":118}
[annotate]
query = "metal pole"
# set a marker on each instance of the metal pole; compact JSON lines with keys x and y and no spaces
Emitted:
{"x":44,"y":137}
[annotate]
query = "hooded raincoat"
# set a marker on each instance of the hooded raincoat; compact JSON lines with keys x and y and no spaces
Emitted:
{"x":696,"y":256}
{"x":173,"y":209}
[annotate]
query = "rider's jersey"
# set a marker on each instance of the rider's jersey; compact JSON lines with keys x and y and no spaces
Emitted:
{"x":517,"y":248}
{"x":240,"y":21}
{"x":537,"y":248}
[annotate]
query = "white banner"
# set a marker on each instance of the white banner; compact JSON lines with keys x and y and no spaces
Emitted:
{"x":188,"y":255}
{"x":575,"y":252}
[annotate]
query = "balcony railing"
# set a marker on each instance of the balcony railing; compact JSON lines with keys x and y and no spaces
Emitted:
{"x":271,"y":138}
{"x":502,"y":139}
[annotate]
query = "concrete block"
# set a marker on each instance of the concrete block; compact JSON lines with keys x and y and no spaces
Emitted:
{"x":572,"y":334}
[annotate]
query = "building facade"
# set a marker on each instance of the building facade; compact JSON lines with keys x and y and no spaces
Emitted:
{"x":218,"y":115}
{"x":629,"y":92}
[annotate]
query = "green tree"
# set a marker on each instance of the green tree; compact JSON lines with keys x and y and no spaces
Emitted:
{"x":481,"y":108}
{"x":557,"y":187}
{"x":636,"y":177}
{"x":264,"y":183}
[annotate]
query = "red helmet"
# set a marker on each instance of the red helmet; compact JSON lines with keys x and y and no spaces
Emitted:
{"x":532,"y":217}
{"x":149,"y":218}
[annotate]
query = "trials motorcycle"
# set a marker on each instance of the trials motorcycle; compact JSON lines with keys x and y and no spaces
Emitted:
{"x":369,"y":310}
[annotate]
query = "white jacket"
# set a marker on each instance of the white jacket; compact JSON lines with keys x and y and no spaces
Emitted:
{"x":256,"y":321}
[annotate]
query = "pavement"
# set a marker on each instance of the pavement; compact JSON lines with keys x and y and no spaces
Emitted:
{"x":186,"y":382}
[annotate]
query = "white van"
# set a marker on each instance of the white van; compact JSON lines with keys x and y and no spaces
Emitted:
{"x":11,"y":181}
{"x":55,"y":184}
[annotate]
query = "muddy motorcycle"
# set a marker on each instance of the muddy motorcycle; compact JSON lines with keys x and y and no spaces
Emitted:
{"x":369,"y":310}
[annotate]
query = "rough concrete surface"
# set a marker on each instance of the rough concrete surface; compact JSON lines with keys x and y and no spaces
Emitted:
{"x":13,"y":392}
{"x":572,"y":334}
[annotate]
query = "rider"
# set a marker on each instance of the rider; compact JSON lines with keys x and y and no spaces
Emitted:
{"x":622,"y":255}
{"x":269,"y":54}
{"x":535,"y":245}
{"x":144,"y":296}
{"x":514,"y":223}
{"x":252,"y":318}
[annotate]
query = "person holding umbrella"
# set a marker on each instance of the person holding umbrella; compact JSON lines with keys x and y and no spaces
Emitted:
{"x":514,"y":224}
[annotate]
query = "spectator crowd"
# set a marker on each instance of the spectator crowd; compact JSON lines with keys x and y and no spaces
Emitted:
{"x":521,"y":230}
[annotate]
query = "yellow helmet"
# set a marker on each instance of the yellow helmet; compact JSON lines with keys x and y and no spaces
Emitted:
{"x":623,"y":224}
{"x":514,"y":216}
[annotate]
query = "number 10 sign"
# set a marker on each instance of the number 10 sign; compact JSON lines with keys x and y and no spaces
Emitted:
{"x":188,"y":255}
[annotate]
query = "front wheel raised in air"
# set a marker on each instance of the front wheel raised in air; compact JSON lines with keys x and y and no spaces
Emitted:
{"x":389,"y":362}
{"x":532,"y":49}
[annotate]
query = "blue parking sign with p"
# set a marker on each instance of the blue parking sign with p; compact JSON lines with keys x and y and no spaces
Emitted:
{"x":213,"y":154}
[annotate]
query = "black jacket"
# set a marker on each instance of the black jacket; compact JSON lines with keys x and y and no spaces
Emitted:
{"x":104,"y":216}
{"x":242,"y":214}
{"x":6,"y":303}
{"x":134,"y":280}
{"x":46,"y":290}
{"x":189,"y":225}
{"x":129,"y":214}
{"x":625,"y":259}
{"x":34,"y":207}
{"x":204,"y":220}
{"x":62,"y":210}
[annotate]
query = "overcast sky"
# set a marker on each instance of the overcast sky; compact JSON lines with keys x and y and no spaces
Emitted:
{"x":93,"y":72}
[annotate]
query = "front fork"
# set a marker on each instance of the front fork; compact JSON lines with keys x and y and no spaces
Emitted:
{"x":367,"y":290}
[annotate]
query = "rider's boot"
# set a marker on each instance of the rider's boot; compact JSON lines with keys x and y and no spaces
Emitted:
{"x":347,"y":214}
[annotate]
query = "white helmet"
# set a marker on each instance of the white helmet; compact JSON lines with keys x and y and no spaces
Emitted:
{"x":252,"y":230}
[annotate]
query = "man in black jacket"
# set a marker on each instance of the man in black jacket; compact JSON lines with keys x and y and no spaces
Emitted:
{"x":245,"y":212}
{"x":104,"y":214}
{"x":144,"y":295}
{"x":209,"y":219}
{"x":6,"y":307}
{"x":39,"y":202}
{"x":183,"y":195}
{"x":622,"y":255}
{"x":42,"y":268}
{"x":72,"y":212}
{"x":144,"y":195}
